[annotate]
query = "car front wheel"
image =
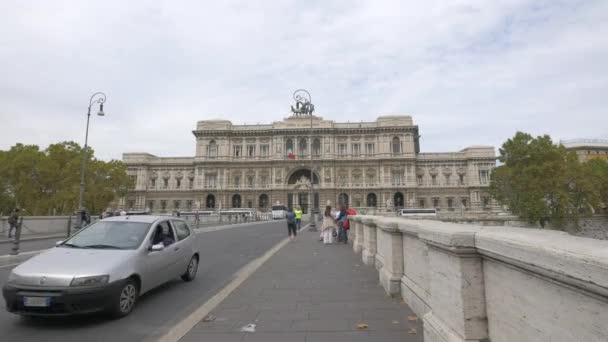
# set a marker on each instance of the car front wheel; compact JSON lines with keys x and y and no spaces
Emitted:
{"x":126,"y":299}
{"x":190,"y":273}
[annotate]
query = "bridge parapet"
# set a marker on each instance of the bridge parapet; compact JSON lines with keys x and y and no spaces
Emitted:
{"x":477,"y":283}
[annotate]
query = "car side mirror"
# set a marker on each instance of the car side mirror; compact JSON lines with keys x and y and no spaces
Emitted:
{"x":157,"y":248}
{"x":58,"y":243}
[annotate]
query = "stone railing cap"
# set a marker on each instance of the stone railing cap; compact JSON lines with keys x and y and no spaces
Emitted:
{"x":387,"y":223}
{"x":356,"y":218}
{"x":368,"y":219}
{"x":581,"y":258}
{"x":448,"y":234}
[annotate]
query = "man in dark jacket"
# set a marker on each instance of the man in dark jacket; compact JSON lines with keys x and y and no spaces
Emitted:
{"x":13,"y":219}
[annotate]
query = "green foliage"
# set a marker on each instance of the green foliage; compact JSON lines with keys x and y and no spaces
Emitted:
{"x":540,"y":181}
{"x":47,"y":182}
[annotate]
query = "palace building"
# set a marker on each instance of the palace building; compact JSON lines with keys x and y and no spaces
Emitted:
{"x":368,"y":165}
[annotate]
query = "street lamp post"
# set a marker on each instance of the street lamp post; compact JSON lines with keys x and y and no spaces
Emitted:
{"x":304,"y":106}
{"x":95,"y":98}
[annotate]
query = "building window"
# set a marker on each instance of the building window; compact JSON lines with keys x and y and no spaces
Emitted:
{"x":163,"y":204}
{"x":212,"y":149}
{"x":342,"y":150}
{"x":177,"y":204}
{"x":396,"y":145}
{"x":264,"y":180}
{"x":178,"y":183}
{"x":434,"y":179}
{"x":436,"y":202}
{"x":210,"y":180}
{"x":250,"y":181}
{"x":237,"y":181}
{"x":303,"y":146}
{"x":483,"y":176}
{"x":356,"y":148}
{"x":189,"y":204}
{"x":463,"y":201}
{"x":371,"y":200}
{"x":419,"y":179}
{"x":447,"y":179}
{"x":450,"y":203}
{"x":461,"y":179}
{"x":316,"y":147}
{"x":289,"y":146}
{"x":153,"y":183}
{"x":165,"y":183}
{"x":421,"y":203}
{"x":486,"y":202}
{"x":264,"y":150}
{"x":190,"y":183}
{"x":250,"y":151}
{"x":396,"y":180}
{"x":369,"y":149}
{"x":151,"y":205}
{"x":238,"y":151}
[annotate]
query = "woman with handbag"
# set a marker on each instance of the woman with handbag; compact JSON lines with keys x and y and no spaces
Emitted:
{"x":328,"y":226}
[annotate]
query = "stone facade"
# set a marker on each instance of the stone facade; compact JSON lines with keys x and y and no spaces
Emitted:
{"x":587,"y":149}
{"x":375,"y":166}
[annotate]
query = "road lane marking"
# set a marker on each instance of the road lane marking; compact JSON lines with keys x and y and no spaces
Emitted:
{"x":184,"y":326}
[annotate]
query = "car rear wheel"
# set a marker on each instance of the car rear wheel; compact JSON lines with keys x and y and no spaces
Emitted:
{"x":126,"y":299}
{"x":190,"y":273}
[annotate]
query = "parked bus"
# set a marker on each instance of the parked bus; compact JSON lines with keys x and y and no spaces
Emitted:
{"x":418,"y":212}
{"x":279,"y":212}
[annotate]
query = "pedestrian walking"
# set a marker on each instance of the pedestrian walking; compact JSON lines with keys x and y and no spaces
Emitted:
{"x":349,"y":212}
{"x":291,"y":224}
{"x":342,"y":237}
{"x":328,"y":226}
{"x":298,"y":213}
{"x":13,"y":220}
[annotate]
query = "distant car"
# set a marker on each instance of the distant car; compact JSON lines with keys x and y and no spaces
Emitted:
{"x":279,"y":212}
{"x":105,"y":267}
{"x":418,"y":212}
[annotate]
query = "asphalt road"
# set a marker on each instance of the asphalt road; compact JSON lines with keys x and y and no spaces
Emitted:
{"x":223,"y":253}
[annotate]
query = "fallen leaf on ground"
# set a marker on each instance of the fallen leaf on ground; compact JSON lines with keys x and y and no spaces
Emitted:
{"x":209,"y":318}
{"x":362,"y":326}
{"x":412,"y":318}
{"x":395,"y":322}
{"x":412,"y":331}
{"x":248,"y":328}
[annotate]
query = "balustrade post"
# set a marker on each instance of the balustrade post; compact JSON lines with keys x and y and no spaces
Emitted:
{"x":369,"y":241}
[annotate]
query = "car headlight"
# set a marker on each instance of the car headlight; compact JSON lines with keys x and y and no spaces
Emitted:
{"x":12,"y":278}
{"x":90,"y":281}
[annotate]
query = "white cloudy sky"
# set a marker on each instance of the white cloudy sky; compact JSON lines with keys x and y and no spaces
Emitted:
{"x":469,"y":72}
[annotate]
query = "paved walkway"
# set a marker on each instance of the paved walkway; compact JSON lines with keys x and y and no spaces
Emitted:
{"x":310,"y":292}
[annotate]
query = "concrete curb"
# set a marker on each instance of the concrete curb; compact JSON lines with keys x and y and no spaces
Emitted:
{"x":8,"y":260}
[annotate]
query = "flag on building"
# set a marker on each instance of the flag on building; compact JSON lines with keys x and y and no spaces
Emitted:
{"x":291,"y":156}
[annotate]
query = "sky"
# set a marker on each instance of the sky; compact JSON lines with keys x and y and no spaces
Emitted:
{"x":468,"y":72}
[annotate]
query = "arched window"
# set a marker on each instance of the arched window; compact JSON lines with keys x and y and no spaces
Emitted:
{"x":289,"y":146}
{"x":212,"y":149}
{"x":210,"y":202}
{"x":343,"y":199}
{"x":371,"y":200}
{"x":236,"y":201}
{"x":263,"y":201}
{"x":396,"y":145}
{"x":303,"y":146}
{"x":316,"y":147}
{"x":398,"y":199}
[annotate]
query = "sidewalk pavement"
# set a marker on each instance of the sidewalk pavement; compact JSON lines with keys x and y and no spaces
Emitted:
{"x":33,"y":237}
{"x":310,"y":292}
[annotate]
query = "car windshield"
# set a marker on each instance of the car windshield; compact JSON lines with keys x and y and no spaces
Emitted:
{"x":110,"y":235}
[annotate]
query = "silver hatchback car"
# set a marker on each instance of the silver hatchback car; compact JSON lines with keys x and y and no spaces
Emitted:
{"x":104,"y":267}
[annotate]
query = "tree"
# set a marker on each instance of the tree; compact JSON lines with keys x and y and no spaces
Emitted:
{"x":540,"y":181}
{"x":48,"y":182}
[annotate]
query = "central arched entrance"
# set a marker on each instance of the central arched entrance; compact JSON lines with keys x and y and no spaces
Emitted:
{"x":236,"y":201}
{"x":210,"y":201}
{"x":299,"y":181}
{"x":398,"y":200}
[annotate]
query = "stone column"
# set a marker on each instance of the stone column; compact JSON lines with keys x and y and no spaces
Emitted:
{"x":456,"y":285}
{"x":358,"y":233}
{"x":369,"y":241}
{"x":389,"y":260}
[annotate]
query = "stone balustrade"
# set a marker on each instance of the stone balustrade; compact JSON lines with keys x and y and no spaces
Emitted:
{"x":474,"y":283}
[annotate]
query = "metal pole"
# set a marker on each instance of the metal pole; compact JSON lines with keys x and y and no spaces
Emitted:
{"x":312,"y":227}
{"x":82,"y":171}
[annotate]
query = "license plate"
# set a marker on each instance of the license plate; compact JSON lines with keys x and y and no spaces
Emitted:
{"x":37,"y":301}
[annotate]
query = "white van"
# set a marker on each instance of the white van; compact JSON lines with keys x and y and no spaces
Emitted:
{"x":418,"y":212}
{"x":279,"y":212}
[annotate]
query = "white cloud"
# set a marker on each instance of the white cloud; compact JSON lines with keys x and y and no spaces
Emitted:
{"x":469,"y":72}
